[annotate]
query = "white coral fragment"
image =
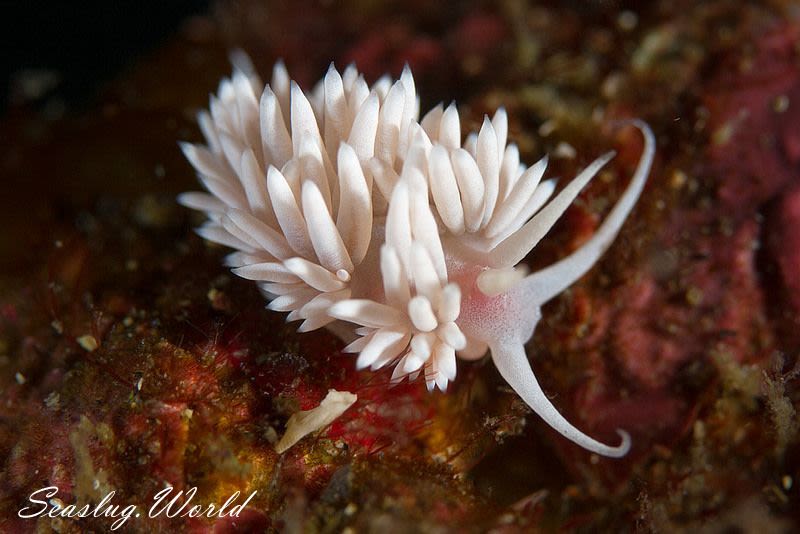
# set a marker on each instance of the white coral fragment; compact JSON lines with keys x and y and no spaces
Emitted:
{"x":347,"y":210}
{"x":303,"y":423}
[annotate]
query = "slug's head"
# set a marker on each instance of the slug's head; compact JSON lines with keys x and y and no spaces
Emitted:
{"x":501,"y":311}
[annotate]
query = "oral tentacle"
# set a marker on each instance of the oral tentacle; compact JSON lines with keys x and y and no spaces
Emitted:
{"x":511,"y":361}
{"x":545,"y":284}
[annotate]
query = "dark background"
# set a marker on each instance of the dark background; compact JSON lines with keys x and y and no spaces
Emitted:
{"x":78,"y":45}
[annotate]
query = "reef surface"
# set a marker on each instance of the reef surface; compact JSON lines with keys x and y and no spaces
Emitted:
{"x":131,"y":359}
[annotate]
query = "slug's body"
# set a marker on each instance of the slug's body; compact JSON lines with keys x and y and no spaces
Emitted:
{"x":348,"y":210}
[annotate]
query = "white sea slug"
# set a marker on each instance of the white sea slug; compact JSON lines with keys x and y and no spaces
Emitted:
{"x":345,"y":209}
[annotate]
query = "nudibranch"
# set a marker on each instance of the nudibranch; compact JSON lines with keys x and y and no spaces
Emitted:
{"x":352,"y":213}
